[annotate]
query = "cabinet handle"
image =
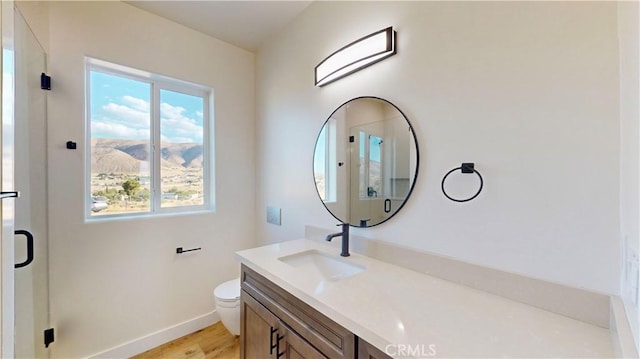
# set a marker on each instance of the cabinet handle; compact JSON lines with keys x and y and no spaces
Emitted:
{"x":278,"y":338}
{"x":271,"y":345}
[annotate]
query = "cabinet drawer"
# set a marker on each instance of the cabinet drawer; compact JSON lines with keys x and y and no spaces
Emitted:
{"x":328,"y":337}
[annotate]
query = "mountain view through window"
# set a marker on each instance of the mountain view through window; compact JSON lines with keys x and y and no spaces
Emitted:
{"x":126,"y":166}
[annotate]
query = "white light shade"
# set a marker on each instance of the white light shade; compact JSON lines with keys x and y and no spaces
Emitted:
{"x":356,"y":56}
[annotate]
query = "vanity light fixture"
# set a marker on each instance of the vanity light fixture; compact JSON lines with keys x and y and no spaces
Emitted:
{"x":356,"y":56}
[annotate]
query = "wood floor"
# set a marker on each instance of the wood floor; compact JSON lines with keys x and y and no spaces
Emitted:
{"x":211,"y":342}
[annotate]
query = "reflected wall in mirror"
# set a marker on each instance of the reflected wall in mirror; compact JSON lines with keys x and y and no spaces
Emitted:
{"x":365,"y":162}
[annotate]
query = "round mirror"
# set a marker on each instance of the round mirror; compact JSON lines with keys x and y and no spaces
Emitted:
{"x":365,"y":162}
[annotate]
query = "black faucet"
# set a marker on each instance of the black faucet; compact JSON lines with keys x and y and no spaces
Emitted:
{"x":345,"y":239}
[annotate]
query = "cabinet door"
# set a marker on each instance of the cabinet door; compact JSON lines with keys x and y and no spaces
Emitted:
{"x":295,"y":347}
{"x":368,"y":351}
{"x":258,"y":330}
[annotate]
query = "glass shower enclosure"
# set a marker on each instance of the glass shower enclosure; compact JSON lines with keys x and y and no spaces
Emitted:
{"x":31,"y":281}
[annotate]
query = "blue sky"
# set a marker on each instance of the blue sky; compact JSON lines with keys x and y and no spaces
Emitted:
{"x":120,"y":109}
{"x":8,"y":72}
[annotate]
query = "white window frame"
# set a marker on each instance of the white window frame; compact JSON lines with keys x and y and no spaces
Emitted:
{"x":157,"y":83}
{"x":328,"y":135}
{"x":331,"y":163}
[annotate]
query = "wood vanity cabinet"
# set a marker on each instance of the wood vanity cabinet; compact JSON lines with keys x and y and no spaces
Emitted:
{"x":269,"y":336}
{"x":368,"y":351}
{"x":276,"y":324}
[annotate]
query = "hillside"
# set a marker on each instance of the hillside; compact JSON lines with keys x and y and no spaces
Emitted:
{"x":127,"y":156}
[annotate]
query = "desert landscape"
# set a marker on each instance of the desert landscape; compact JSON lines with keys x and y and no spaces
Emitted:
{"x":120,"y":172}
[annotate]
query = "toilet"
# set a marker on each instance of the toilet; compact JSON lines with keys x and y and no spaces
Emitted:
{"x":227,"y":297}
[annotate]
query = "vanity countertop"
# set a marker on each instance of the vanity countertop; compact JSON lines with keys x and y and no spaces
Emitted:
{"x":390,"y":305}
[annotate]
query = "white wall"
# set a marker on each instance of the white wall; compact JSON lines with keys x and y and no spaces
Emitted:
{"x":527,"y":91}
{"x":629,"y":40}
{"x":113,"y":282}
{"x":37,"y":15}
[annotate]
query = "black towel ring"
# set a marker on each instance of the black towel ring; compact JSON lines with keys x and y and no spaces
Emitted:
{"x":465,"y":168}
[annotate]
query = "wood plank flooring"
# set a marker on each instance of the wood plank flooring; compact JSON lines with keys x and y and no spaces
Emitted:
{"x":208,"y":343}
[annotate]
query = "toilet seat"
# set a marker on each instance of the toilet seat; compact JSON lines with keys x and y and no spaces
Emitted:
{"x":228,"y":291}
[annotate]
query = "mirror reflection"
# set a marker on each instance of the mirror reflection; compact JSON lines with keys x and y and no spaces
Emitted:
{"x":365,"y":161}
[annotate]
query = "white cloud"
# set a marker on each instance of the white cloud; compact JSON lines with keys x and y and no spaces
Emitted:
{"x":136,"y":103}
{"x":117,"y":130}
{"x":126,"y":115}
{"x":131,"y":120}
{"x":178,"y":128}
{"x":168,"y":110}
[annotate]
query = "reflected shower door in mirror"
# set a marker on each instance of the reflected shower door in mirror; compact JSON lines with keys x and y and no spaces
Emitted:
{"x":365,"y":161}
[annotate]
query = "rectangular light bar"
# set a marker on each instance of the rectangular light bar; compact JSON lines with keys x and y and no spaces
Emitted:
{"x":356,"y":56}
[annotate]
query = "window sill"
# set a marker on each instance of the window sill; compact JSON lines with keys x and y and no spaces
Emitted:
{"x":144,"y":216}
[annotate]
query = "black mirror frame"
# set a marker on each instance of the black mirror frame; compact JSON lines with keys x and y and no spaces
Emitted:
{"x":415,"y":176}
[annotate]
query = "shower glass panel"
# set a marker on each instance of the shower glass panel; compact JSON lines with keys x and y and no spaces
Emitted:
{"x":31,"y":282}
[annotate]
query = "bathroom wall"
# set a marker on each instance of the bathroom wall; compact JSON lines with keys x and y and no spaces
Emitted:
{"x":527,"y":91}
{"x":114,"y":282}
{"x":629,"y":40}
{"x":37,"y":15}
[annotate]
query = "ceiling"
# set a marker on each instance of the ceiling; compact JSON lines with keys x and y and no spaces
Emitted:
{"x":245,"y":24}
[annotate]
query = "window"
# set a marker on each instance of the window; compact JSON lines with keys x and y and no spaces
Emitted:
{"x":150,"y":143}
{"x":325,"y":162}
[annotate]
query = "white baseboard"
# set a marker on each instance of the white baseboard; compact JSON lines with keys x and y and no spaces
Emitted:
{"x":621,"y":334}
{"x":160,"y":337}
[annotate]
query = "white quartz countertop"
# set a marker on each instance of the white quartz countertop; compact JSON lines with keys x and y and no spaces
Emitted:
{"x":394,"y":308}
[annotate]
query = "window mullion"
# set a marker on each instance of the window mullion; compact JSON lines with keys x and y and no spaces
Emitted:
{"x":156,"y":147}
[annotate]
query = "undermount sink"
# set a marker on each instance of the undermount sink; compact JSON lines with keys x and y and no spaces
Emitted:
{"x":322,"y":264}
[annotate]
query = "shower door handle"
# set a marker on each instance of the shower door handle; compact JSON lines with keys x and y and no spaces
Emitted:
{"x":387,"y":205}
{"x":29,"y":248}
